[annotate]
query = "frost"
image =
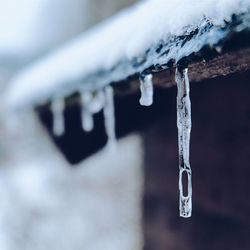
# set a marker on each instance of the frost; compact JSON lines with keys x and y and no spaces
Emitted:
{"x":184,"y":129}
{"x":109,"y":116}
{"x":147,"y":91}
{"x":57,"y":108}
{"x":218,"y":49}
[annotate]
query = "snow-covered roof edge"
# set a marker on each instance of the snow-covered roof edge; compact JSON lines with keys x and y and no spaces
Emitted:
{"x":131,"y":42}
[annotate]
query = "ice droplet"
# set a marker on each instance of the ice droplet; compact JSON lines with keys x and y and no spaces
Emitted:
{"x":57,"y":108}
{"x":86,"y":115}
{"x":147,"y":91}
{"x":184,"y":130}
{"x":218,"y":49}
{"x":109,"y":116}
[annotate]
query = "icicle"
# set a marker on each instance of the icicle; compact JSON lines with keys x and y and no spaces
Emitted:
{"x":86,"y":114}
{"x":147,"y":91}
{"x":57,"y":108}
{"x":184,"y":129}
{"x":97,"y":102}
{"x":109,"y":116}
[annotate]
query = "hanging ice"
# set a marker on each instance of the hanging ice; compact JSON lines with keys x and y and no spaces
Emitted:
{"x":57,"y":108}
{"x":109,"y":116}
{"x":184,"y":129}
{"x":86,"y":114}
{"x":97,"y":102}
{"x":146,"y":86}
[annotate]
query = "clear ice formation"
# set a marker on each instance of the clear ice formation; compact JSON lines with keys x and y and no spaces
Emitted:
{"x":86,"y":114}
{"x":109,"y":116}
{"x":92,"y":103}
{"x":97,"y":102}
{"x":57,"y":108}
{"x":147,"y":91}
{"x":184,"y":130}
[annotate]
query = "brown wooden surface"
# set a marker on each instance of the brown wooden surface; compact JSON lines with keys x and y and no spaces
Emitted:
{"x":223,"y":65}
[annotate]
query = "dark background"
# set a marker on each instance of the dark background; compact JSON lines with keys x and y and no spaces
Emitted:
{"x":220,"y":160}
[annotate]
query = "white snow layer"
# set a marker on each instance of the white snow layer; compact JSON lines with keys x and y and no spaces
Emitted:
{"x":121,"y":38}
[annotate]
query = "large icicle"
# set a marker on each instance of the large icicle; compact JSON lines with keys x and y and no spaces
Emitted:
{"x":147,"y":91}
{"x":184,"y":129}
{"x":109,"y":116}
{"x":86,"y":114}
{"x":57,"y":108}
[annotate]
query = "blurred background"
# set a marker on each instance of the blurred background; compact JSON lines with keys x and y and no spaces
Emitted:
{"x":126,"y":200}
{"x":44,"y":202}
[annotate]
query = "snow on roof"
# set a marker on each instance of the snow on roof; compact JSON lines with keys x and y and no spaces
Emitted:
{"x":126,"y":44}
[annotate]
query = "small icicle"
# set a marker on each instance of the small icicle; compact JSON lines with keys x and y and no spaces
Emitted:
{"x":97,"y":102}
{"x":109,"y":116}
{"x":57,"y":108}
{"x":147,"y":90}
{"x":86,"y":114}
{"x":184,"y":130}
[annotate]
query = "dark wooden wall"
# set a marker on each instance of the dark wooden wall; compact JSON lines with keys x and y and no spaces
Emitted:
{"x":220,"y":159}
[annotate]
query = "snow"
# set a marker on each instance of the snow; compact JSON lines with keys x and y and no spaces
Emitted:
{"x":43,"y":200}
{"x":184,"y":128}
{"x":29,"y":27}
{"x":45,"y":203}
{"x":104,"y":54}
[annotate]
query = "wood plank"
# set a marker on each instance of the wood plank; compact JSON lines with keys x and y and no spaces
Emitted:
{"x":222,"y":65}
